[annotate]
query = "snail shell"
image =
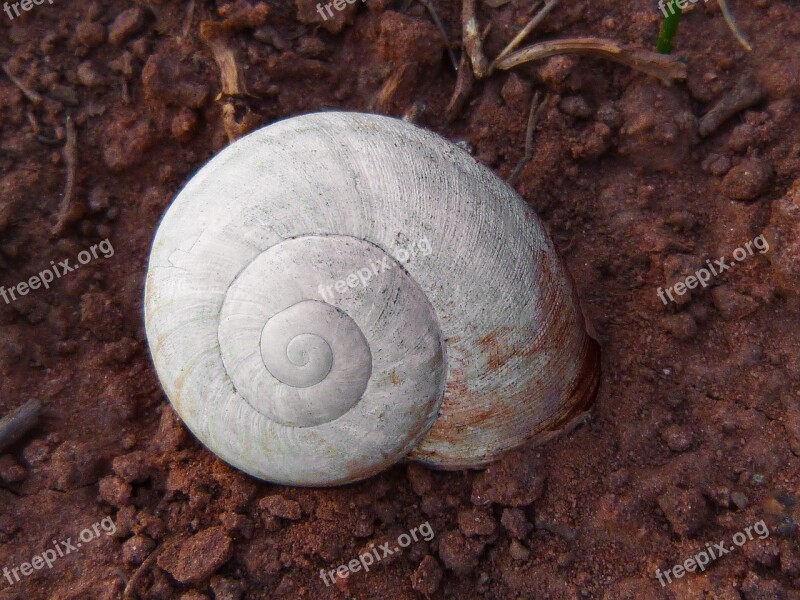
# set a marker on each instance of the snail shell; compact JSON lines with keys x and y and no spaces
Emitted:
{"x":289,"y":362}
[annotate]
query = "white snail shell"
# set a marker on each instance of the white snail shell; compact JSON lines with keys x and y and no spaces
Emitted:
{"x":466,"y":339}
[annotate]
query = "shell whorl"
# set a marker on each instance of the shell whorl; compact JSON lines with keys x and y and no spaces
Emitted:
{"x":451,"y":356}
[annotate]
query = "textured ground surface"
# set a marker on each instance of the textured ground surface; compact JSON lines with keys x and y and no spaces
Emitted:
{"x":696,"y":433}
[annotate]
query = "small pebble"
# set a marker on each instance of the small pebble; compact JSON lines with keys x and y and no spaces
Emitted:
{"x":136,"y":549}
{"x":740,"y":500}
{"x":427,"y":576}
{"x":90,"y":34}
{"x":575,"y":106}
{"x":115,"y":491}
{"x":686,"y":510}
{"x":732,"y":305}
{"x":515,"y":523}
{"x":518,"y":551}
{"x":127,"y":23}
{"x":278,"y":506}
{"x":677,"y":437}
{"x":199,"y":557}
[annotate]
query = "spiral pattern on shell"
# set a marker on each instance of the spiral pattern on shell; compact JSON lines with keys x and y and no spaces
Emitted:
{"x":297,"y":346}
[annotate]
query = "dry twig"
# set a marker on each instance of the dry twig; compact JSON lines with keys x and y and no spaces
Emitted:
{"x":664,"y":67}
{"x":18,"y":422}
{"x":400,"y":79}
{"x":215,"y":36}
{"x":68,"y":211}
{"x":464,"y":82}
{"x":187,"y":19}
{"x":413,"y":114}
{"x":472,"y":40}
{"x":745,"y":94}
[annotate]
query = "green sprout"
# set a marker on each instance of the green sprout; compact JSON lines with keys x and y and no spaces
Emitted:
{"x":672,"y":16}
{"x":669,"y":28}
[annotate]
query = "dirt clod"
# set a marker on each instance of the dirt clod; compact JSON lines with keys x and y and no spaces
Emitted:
{"x":426,"y":577}
{"x":73,"y":466}
{"x":681,"y":325}
{"x":115,"y":491}
{"x":126,"y":24}
{"x":474,"y":521}
{"x":90,"y":34}
{"x":783,"y":235}
{"x":686,"y":510}
{"x":136,"y":549}
{"x":518,"y":551}
{"x":747,"y":180}
{"x":731,"y":304}
{"x":458,"y":553}
{"x":199,"y":557}
{"x":10,"y":470}
{"x":168,"y":79}
{"x":515,"y":522}
{"x":513,"y":481}
{"x":278,"y":506}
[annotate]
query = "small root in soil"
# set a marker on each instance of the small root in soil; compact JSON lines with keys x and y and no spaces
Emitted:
{"x":130,"y":589}
{"x":29,"y":94}
{"x":533,"y":117}
{"x":438,"y":23}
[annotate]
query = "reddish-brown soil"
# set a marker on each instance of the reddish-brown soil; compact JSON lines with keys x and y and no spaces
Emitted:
{"x":696,"y":428}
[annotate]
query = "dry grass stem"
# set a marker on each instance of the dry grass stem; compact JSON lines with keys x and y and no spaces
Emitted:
{"x":532,"y":24}
{"x":461,"y":92}
{"x":414,"y":114}
{"x":665,"y":67}
{"x":385,"y":99}
{"x":535,"y":112}
{"x":215,"y":37}
{"x":472,"y":40}
{"x":187,"y":20}
{"x":728,"y":15}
